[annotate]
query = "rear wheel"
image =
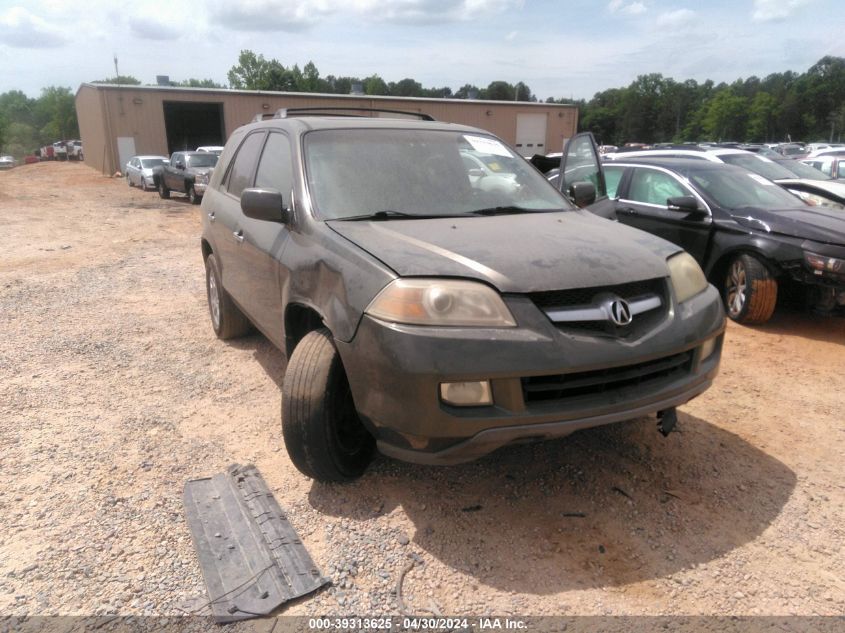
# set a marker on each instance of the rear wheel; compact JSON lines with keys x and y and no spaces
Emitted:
{"x":226,"y":318}
{"x":750,"y":291}
{"x":324,"y":436}
{"x":163,"y":191}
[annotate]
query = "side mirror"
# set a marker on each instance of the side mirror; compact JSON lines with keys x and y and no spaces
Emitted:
{"x":264,"y":204}
{"x":476,"y":173}
{"x":582,"y":193}
{"x":684,"y":204}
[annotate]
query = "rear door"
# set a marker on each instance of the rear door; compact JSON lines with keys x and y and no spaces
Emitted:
{"x":642,"y":204}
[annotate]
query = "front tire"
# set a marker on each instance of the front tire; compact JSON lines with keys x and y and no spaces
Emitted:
{"x":163,"y":191}
{"x":750,"y":291}
{"x":226,"y":318}
{"x":144,"y":185}
{"x":192,"y":195}
{"x":323,"y":434}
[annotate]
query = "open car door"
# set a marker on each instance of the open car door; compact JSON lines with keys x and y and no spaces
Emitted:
{"x":582,"y":178}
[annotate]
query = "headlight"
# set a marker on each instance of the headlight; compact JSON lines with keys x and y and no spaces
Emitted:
{"x":687,"y":277}
{"x":821,"y":263}
{"x":202,"y":179}
{"x":441,"y":302}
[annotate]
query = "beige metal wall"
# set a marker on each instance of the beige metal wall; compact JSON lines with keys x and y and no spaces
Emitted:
{"x":107,"y":112}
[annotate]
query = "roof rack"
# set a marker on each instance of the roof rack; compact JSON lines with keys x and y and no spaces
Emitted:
{"x":284,"y":113}
{"x":262,"y":116}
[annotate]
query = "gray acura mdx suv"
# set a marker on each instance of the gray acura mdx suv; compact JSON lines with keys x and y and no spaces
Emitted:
{"x":434,"y":317}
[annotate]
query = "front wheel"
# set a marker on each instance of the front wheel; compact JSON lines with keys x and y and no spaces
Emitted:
{"x":192,"y":195}
{"x":163,"y":191}
{"x":323,"y":434}
{"x":750,"y":291}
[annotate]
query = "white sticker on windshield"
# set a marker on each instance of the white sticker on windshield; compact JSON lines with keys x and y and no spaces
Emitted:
{"x":487,"y":145}
{"x":761,"y":180}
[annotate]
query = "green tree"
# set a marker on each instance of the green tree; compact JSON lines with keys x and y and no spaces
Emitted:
{"x":57,"y":108}
{"x":406,"y":88}
{"x":123,"y":80}
{"x":375,"y":85}
{"x":761,"y":117}
{"x":197,"y":83}
{"x":500,"y":91}
{"x":725,"y":116}
{"x":254,"y":72}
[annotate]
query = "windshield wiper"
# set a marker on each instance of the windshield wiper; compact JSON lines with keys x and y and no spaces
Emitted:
{"x":505,"y":209}
{"x":390,"y":214}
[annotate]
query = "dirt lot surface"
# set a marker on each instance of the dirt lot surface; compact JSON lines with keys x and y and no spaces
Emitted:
{"x":114,"y":392}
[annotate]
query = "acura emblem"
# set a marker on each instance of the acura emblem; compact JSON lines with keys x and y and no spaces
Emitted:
{"x":620,"y":312}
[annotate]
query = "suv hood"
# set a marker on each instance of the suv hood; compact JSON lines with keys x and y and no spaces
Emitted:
{"x":515,"y":253}
{"x":199,"y":170}
{"x":810,"y":223}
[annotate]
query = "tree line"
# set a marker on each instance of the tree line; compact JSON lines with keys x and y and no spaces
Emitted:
{"x":653,"y":108}
{"x":780,"y":107}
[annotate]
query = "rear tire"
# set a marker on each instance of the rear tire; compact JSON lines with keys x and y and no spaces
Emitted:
{"x":227,"y":320}
{"x":163,"y":191}
{"x":750,"y":291}
{"x":324,"y":436}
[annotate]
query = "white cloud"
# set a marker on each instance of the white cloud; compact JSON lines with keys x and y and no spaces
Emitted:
{"x":626,"y":7}
{"x":771,"y":10}
{"x":21,"y":29}
{"x":297,"y":15}
{"x":675,"y":19}
{"x":151,"y":29}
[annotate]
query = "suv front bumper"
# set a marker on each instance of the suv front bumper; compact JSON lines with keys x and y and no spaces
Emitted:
{"x":395,"y":372}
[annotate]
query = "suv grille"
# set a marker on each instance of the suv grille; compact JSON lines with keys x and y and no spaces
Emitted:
{"x":564,"y":386}
{"x":556,"y":303}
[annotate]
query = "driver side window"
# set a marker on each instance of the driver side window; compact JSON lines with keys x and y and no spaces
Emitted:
{"x":654,"y":187}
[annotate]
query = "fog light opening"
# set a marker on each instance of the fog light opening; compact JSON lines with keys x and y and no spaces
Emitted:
{"x":708,"y":348}
{"x":466,"y":394}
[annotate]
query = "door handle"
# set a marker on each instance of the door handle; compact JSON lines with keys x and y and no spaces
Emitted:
{"x":239,"y":236}
{"x":628,"y":210}
{"x":211,"y":217}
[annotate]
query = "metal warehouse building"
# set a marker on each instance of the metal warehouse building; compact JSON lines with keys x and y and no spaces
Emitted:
{"x":118,"y":122}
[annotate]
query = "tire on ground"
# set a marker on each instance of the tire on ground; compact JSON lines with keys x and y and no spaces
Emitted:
{"x":229,"y":321}
{"x":163,"y":191}
{"x":323,"y":434}
{"x":761,"y":291}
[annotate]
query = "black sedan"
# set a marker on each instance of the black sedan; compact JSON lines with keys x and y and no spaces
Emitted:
{"x":749,"y":235}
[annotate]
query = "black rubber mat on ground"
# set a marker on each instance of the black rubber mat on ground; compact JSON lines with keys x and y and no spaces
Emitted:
{"x":251,"y":557}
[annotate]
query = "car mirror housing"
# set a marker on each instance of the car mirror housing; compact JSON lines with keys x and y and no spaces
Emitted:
{"x":685,"y":204}
{"x":264,"y":204}
{"x":582,"y":193}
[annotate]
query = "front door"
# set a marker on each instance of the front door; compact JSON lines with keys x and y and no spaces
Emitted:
{"x":644,"y":206}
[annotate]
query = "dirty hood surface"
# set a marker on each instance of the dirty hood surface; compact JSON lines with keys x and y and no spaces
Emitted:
{"x":514,"y":253}
{"x":810,"y":223}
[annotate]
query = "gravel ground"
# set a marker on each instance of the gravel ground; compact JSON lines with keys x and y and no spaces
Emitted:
{"x":115,"y":391}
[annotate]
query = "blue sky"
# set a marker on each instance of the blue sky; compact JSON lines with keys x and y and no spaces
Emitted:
{"x":560,"y":49}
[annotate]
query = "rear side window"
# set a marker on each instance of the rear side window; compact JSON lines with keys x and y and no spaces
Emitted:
{"x":274,"y":168}
{"x":654,"y":187}
{"x":240,"y":174}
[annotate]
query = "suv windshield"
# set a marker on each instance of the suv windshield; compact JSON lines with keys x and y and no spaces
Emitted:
{"x":359,"y":172}
{"x":737,"y":189}
{"x":758,"y":164}
{"x":201,"y":160}
{"x":803,"y":170}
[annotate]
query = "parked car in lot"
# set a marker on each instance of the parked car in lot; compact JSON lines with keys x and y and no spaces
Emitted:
{"x":749,"y":235}
{"x":74,"y":150}
{"x":139,"y":170}
{"x":187,"y":172}
{"x":830,"y":166}
{"x":7,"y":162}
{"x":432,"y":318}
{"x":817,"y":191}
{"x":211,"y":149}
{"x":60,"y":150}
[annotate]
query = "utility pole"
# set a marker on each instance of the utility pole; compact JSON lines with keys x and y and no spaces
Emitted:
{"x":116,"y":72}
